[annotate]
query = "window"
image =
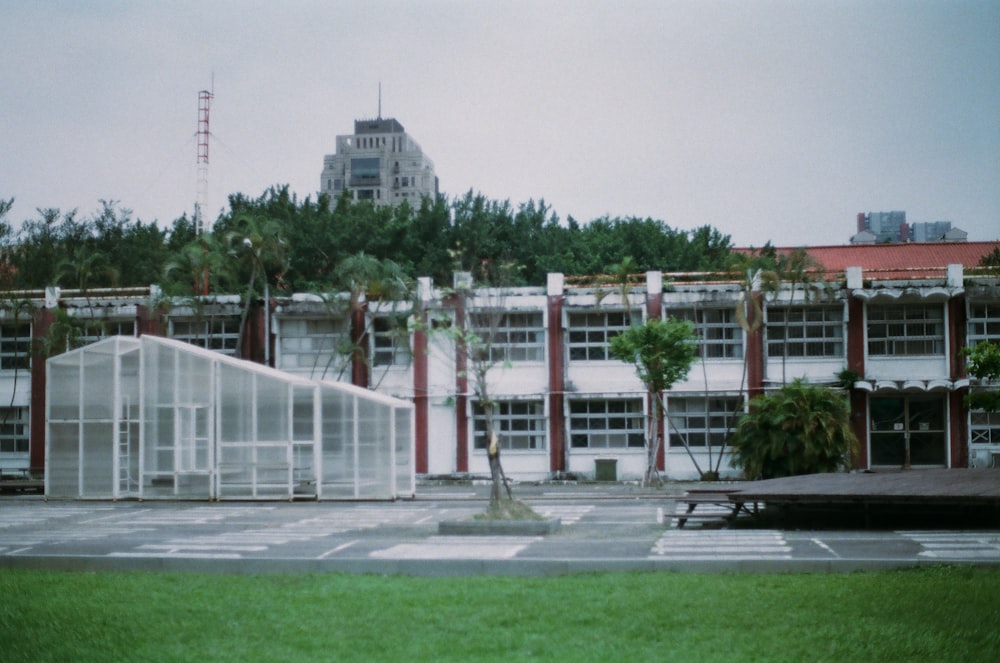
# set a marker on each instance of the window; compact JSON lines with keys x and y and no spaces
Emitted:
{"x":906,"y":329}
{"x":805,"y":331}
{"x":985,"y":427}
{"x":520,"y":425}
{"x":720,"y":336}
{"x":390,"y":341}
{"x":984,"y":323}
{"x":219,"y":334}
{"x":104,"y":330}
{"x":15,"y":346}
{"x":514,"y":337}
{"x":701,"y":421}
{"x":365,"y":170}
{"x":14,"y":431}
{"x":606,"y":424}
{"x":321,"y":346}
{"x":590,"y":334}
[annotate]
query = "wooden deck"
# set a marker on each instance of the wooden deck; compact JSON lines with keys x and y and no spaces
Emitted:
{"x":937,"y":486}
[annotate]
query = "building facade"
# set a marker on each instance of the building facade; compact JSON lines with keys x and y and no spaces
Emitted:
{"x":890,"y":320}
{"x":380,"y":163}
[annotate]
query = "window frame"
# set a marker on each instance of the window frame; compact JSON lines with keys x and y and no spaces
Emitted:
{"x":723,"y":415}
{"x":900,"y":335}
{"x":983,"y":322}
{"x":508,"y":419}
{"x":392,"y":342}
{"x":831,"y":332}
{"x":719,"y":339}
{"x":597,"y":423}
{"x":591,"y":341}
{"x":15,"y":433}
{"x":506,"y":342}
{"x":314,"y":345}
{"x":221,"y":333}
{"x":16,"y":348}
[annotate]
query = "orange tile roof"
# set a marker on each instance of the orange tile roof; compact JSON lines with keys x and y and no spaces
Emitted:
{"x":899,"y":261}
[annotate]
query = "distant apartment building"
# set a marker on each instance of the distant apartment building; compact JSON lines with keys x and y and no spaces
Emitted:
{"x":380,"y":163}
{"x":889,"y":227}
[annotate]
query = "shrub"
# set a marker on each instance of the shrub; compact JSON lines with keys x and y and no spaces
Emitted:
{"x":799,"y":429}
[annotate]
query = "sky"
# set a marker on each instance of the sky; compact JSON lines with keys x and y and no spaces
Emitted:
{"x":770,"y":120}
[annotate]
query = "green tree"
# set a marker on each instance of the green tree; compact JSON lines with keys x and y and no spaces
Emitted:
{"x":662,"y":352}
{"x":798,"y":429}
{"x":984,"y":365}
{"x":257,"y":249}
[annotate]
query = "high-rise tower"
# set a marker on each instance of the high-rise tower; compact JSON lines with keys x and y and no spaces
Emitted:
{"x":380,"y":163}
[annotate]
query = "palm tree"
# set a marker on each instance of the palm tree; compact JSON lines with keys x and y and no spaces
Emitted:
{"x":256,"y":246}
{"x":798,"y":269}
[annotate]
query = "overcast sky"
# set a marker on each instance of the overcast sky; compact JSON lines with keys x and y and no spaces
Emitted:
{"x":769,"y":120}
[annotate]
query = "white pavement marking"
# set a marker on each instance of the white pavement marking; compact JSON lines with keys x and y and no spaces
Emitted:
{"x":567,"y":513}
{"x":824,"y":547}
{"x":37,"y":513}
{"x":178,"y":554}
{"x":327,"y":524}
{"x":721,"y":545}
{"x":458,"y":547}
{"x":945,"y":545}
{"x":172,"y":548}
{"x":334,"y":551}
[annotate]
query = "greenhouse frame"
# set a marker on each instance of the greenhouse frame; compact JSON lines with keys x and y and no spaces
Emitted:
{"x":154,"y":418}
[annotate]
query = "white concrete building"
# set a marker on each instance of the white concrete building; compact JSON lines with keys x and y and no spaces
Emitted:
{"x":896,"y":315}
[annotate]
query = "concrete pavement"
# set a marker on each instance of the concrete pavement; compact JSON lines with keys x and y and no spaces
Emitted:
{"x":605,"y":527}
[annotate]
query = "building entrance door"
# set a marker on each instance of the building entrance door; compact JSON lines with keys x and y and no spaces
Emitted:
{"x":908,"y":430}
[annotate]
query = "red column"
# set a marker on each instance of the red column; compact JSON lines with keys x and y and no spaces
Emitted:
{"x":39,"y":330}
{"x":557,"y":385}
{"x":359,"y":339}
{"x":755,"y":347}
{"x":856,"y":362}
{"x":421,"y":405}
{"x":958,"y":429}
{"x":654,"y":311}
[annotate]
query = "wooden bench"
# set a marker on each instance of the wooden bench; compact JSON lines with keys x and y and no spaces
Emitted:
{"x":694,"y":498}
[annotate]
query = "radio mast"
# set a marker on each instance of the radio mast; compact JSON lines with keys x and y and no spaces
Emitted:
{"x":201,"y":200}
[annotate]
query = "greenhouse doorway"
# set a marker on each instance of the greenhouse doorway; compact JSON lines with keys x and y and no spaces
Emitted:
{"x":908,"y":430}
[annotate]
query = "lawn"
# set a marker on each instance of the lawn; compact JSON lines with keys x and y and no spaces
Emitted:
{"x":926,"y":614}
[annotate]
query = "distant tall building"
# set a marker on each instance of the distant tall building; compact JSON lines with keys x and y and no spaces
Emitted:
{"x":885,"y":226}
{"x":889,"y":227}
{"x":380,"y":162}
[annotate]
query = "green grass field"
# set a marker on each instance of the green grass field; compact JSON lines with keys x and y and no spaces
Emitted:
{"x":928,"y":614}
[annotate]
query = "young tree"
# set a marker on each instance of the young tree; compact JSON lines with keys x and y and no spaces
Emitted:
{"x":475,"y":337}
{"x":798,"y":429}
{"x":662,"y":352}
{"x":984,"y":365}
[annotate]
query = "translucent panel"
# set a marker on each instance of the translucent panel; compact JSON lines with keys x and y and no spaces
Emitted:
{"x":62,"y":460}
{"x":63,"y":391}
{"x":98,"y":459}
{"x":338,"y":444}
{"x":403,"y":434}
{"x":98,"y":394}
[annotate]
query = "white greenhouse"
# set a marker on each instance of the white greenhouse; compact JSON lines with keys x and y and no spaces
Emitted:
{"x":151,"y":418}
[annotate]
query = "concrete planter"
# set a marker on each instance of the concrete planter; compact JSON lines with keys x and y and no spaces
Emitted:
{"x":499,"y":527}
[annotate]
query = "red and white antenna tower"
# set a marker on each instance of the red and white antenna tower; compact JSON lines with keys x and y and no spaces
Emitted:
{"x":204,"y":104}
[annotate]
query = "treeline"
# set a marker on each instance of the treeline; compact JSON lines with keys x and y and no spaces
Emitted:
{"x":301,"y":245}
